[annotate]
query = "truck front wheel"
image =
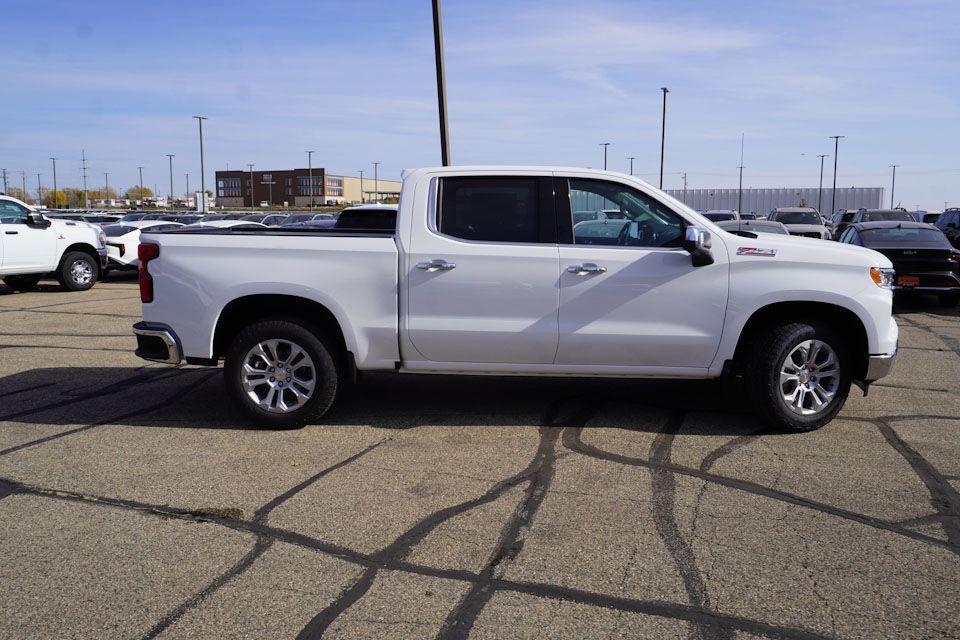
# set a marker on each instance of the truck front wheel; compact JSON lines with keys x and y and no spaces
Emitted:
{"x":798,"y":374}
{"x":78,"y":271}
{"x":281,"y":374}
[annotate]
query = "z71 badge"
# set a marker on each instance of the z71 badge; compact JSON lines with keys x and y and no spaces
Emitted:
{"x":754,"y":251}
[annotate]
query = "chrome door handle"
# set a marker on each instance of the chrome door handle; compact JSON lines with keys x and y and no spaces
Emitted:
{"x":585,"y":268}
{"x":437,"y":264}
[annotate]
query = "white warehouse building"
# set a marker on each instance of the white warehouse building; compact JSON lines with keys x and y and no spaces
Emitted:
{"x":765,"y":200}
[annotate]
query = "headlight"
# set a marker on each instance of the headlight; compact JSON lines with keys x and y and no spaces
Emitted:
{"x":102,"y":237}
{"x":883,"y":277}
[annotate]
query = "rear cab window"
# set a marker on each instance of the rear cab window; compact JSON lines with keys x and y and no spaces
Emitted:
{"x":513,"y":209}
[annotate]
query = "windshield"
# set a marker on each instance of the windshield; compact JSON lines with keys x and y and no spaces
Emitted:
{"x":903,"y":234}
{"x":879,"y":216}
{"x":797,"y":217}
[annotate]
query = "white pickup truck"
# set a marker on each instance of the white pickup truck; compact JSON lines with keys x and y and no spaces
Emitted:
{"x":33,"y":246}
{"x":487,"y":273}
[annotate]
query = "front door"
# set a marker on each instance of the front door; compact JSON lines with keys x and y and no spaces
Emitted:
{"x":482,"y":273}
{"x":26,"y":249}
{"x":629,"y":294}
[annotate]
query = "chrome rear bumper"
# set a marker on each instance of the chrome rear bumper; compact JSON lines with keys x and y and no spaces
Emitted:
{"x":157,"y":343}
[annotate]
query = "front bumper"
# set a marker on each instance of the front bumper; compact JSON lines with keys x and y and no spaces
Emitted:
{"x":157,"y":343}
{"x":879,"y":366}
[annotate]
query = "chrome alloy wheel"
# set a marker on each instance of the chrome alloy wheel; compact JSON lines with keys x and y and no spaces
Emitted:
{"x":278,"y":375}
{"x":809,"y":377}
{"x":81,"y":272}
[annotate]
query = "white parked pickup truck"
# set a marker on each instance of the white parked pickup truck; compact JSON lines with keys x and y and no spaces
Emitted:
{"x":487,"y":273}
{"x":33,"y":246}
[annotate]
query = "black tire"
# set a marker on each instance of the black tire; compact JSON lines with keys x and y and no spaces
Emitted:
{"x":950,"y":300}
{"x":326,"y":374}
{"x":81,"y":278}
{"x":764,"y":357}
{"x":22,"y":283}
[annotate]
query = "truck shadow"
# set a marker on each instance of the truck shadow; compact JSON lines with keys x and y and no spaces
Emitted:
{"x":190,"y":397}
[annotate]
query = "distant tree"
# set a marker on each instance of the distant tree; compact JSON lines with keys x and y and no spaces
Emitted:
{"x":104,"y":194}
{"x":55,"y":200}
{"x":17,"y":192}
{"x":135,"y":193}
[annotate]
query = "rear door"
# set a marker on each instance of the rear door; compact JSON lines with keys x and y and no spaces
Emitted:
{"x":26,"y":249}
{"x":629,"y":294}
{"x":482,"y":272}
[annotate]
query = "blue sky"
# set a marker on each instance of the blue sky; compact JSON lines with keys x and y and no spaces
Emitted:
{"x":528,"y":82}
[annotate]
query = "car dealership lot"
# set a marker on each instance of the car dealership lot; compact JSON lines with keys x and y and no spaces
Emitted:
{"x":134,"y":503}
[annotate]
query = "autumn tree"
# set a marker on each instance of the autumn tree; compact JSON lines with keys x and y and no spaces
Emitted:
{"x":55,"y":200}
{"x":136,"y":193}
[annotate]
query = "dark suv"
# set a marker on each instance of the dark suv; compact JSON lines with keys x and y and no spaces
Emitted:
{"x":949,"y":223}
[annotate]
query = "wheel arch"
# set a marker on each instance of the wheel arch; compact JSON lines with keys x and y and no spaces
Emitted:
{"x":83,"y":247}
{"x":844,"y":320}
{"x":243,"y":311}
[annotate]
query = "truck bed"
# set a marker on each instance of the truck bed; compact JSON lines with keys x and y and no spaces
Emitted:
{"x":354,"y":274}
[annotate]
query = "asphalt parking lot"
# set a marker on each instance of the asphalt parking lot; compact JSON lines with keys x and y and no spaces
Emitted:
{"x":134,"y":503}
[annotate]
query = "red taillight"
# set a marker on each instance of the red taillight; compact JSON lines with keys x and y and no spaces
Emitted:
{"x":146,"y":252}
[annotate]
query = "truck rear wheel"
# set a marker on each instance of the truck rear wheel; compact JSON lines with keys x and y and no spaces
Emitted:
{"x":78,"y":271}
{"x":22,"y":283}
{"x":798,"y":375}
{"x":281,"y":374}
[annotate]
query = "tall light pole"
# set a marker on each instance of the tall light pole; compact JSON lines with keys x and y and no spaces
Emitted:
{"x":605,"y":145}
{"x":441,"y":83}
{"x":39,"y":192}
{"x":376,"y":183}
{"x":893,"y":182}
{"x":250,"y":166}
{"x":663,"y":132}
{"x":187,"y":176}
{"x":740,"y":186}
{"x":56,"y":198}
{"x":170,"y":157}
{"x":203,"y":184}
{"x":83,"y":157}
{"x":833,"y":195}
{"x":4,"y":171}
{"x":820,"y":188}
{"x":23,"y":183}
{"x":361,"y":186}
{"x":310,"y":171}
{"x":106,"y":185}
{"x":631,"y":159}
{"x":141,"y":185}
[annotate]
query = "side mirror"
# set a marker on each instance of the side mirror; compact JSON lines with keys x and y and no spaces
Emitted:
{"x":696,"y":242}
{"x":36,"y":219}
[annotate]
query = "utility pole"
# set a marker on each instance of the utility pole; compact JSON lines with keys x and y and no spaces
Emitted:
{"x":361,"y":186}
{"x":310,"y":170}
{"x":836,"y":150}
{"x":106,"y":186}
{"x":187,"y":176}
{"x":4,"y":180}
{"x":605,"y":145}
{"x":39,"y":192}
{"x":170,"y":157}
{"x":663,"y":132}
{"x":441,"y":83}
{"x":23,"y":183}
{"x":740,"y":187}
{"x":56,"y":198}
{"x":820,"y":189}
{"x":203,"y":184}
{"x":141,"y":185}
{"x":684,"y":187}
{"x":83,"y":158}
{"x":631,"y":159}
{"x":893,"y":183}
{"x":376,"y":180}
{"x":250,"y":166}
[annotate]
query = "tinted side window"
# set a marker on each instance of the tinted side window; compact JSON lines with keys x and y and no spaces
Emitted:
{"x":845,"y":236}
{"x":490,"y":209}
{"x":607,"y":213}
{"x":12,"y":213}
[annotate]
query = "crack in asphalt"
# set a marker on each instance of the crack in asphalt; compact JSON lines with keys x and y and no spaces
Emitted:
{"x":572,"y":441}
{"x":541,"y":590}
{"x":261,"y":545}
